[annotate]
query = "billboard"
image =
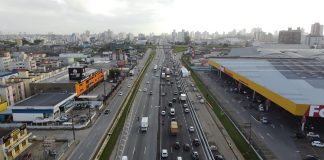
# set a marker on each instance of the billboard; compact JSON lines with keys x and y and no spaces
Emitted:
{"x":76,"y":73}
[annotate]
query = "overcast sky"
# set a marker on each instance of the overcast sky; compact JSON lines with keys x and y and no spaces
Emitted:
{"x":146,"y":16}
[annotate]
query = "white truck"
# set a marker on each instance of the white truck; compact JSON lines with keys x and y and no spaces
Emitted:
{"x":183,"y":97}
{"x":167,"y":71}
{"x":163,"y":75}
{"x":144,"y":124}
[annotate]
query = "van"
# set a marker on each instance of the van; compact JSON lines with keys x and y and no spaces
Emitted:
{"x":179,"y":158}
{"x":124,"y":158}
{"x":172,"y":111}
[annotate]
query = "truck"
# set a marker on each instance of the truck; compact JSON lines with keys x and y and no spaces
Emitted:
{"x":174,"y":128}
{"x":163,"y":75}
{"x":144,"y":124}
{"x":155,"y":68}
{"x":183,"y":97}
{"x":167,"y":71}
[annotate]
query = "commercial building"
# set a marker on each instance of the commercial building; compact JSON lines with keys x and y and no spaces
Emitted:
{"x":76,"y":80}
{"x":290,"y":36}
{"x":296,"y":85}
{"x":41,"y":108}
{"x":13,"y":141}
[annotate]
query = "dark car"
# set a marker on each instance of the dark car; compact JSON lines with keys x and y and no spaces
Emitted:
{"x":177,"y":145}
{"x":310,"y":157}
{"x":196,"y":142}
{"x":194,"y":155}
{"x":170,"y":104}
{"x":174,"y":100}
{"x":186,"y":147}
{"x":175,"y":92}
{"x":107,"y":111}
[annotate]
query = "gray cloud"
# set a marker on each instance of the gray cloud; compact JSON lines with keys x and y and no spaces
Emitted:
{"x":42,"y":16}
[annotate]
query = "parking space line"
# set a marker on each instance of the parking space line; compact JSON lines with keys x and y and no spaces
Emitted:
{"x":255,"y":119}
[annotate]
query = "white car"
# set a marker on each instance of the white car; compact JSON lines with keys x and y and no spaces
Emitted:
{"x":187,"y":110}
{"x":128,"y":86}
{"x":120,"y":93}
{"x":317,"y":144}
{"x":185,"y":105}
{"x":147,"y":82}
{"x":312,"y":134}
{"x":145,"y":89}
{"x":163,"y":113}
{"x":191,"y":129}
{"x":164,"y":153}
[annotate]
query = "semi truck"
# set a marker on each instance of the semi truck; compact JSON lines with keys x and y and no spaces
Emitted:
{"x":144,"y":124}
{"x":174,"y":128}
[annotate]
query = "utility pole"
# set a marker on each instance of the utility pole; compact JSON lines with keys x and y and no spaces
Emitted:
{"x":73,"y":131}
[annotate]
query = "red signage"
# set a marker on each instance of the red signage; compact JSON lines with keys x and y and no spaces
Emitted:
{"x":315,"y":111}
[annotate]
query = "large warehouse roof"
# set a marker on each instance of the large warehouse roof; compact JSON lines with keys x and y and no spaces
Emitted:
{"x":294,"y":84}
{"x":44,"y":99}
{"x":298,"y":80}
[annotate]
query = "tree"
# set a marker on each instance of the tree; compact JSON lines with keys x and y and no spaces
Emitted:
{"x":113,"y":73}
{"x":38,"y":41}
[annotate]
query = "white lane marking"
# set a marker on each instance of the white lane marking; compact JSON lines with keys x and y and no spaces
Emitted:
{"x":261,"y":136}
{"x":144,"y":149}
{"x":80,"y":156}
{"x":268,"y":134}
{"x":133,"y":150}
{"x":273,"y":126}
{"x":254,"y":119}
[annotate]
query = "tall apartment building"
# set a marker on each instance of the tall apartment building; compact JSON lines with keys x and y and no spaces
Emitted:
{"x":4,"y":63}
{"x":290,"y":36}
{"x":316,"y":29}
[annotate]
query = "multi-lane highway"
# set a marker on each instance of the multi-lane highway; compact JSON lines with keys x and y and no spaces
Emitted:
{"x":142,"y":145}
{"x":184,"y":120}
{"x":89,"y":145}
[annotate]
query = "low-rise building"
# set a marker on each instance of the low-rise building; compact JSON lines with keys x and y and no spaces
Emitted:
{"x":13,"y":141}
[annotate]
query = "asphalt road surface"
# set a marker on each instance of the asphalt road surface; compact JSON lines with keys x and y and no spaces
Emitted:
{"x":183,"y":119}
{"x":142,"y":145}
{"x":89,"y":145}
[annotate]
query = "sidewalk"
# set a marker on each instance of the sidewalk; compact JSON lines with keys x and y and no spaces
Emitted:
{"x":214,"y":130}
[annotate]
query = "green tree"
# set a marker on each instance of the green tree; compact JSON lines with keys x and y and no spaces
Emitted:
{"x":113,"y":73}
{"x":38,"y":41}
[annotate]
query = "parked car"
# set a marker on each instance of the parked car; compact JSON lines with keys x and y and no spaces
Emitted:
{"x":312,"y":134}
{"x":317,"y":144}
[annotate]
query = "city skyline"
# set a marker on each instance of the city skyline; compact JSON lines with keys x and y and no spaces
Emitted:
{"x":158,"y":16}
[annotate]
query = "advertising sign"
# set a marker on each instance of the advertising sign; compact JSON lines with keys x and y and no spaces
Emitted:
{"x":76,"y":73}
{"x":315,"y":111}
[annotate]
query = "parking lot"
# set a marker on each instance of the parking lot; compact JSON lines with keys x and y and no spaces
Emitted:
{"x":274,"y":134}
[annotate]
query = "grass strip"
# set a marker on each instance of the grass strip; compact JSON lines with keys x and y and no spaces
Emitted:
{"x":120,"y":124}
{"x":239,"y":141}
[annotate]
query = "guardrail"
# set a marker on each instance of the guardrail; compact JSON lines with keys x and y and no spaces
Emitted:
{"x":121,"y":110}
{"x":200,"y":131}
